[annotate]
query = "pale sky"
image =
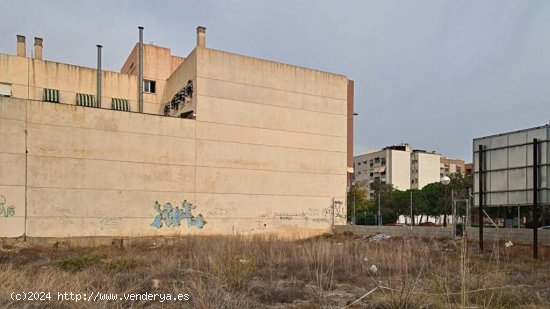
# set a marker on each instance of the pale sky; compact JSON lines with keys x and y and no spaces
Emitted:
{"x":434,"y":74}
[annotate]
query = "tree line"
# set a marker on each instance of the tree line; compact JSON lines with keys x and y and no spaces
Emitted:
{"x":428,"y":201}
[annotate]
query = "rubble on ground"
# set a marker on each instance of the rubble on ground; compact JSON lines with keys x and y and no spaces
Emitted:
{"x":375,"y":237}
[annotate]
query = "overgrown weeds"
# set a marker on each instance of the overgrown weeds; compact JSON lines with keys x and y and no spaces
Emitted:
{"x":238,"y":272}
{"x":78,"y":263}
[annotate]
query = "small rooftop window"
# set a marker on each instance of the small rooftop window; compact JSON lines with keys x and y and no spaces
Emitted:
{"x":149,"y":86}
{"x":5,"y":90}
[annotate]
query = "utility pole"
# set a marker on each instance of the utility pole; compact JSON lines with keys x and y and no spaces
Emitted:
{"x":445,"y":210}
{"x":379,"y":214}
{"x":353,"y":217}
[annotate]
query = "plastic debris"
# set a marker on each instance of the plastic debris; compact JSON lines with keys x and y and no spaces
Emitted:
{"x":509,"y":244}
{"x":373,"y":269}
{"x":156,"y":283}
{"x":376,"y":237}
{"x":243,"y":261}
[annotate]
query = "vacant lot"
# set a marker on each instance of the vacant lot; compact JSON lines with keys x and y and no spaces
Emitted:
{"x":236,"y":272}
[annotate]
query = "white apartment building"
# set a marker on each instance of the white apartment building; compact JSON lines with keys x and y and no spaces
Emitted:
{"x":402,"y":167}
{"x":390,"y":165}
{"x":425,"y":168}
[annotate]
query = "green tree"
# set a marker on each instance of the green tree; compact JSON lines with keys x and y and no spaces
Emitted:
{"x":419,"y":204}
{"x":460,"y":185}
{"x":384,"y":192}
{"x":433,"y":194}
{"x":400,"y":202}
{"x":357,"y":198}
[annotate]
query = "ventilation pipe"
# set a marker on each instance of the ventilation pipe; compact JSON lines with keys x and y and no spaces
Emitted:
{"x":140,"y":70}
{"x":21,"y":49}
{"x":201,"y":36}
{"x":99,"y":75}
{"x":38,"y":48}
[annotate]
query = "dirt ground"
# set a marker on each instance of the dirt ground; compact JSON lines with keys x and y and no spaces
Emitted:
{"x":333,"y":271}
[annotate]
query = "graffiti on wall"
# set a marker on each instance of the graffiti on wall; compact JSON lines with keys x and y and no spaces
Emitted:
{"x":262,"y":226}
{"x":337,"y":208}
{"x":5,"y":210}
{"x":170,"y":216}
{"x":222,"y":212}
{"x":108,"y":223}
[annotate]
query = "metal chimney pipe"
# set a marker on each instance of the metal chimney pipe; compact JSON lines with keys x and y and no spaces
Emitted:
{"x":140,"y":70}
{"x":99,"y":75}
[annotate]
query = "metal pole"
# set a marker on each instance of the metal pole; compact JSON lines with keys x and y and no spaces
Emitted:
{"x":469,"y":208}
{"x":140,"y":70}
{"x":353,"y":207}
{"x":453,"y":206}
{"x":98,"y":88}
{"x":454,"y":217}
{"x":519,"y":216}
{"x":535,"y":199}
{"x":445,"y":206}
{"x":480,"y":186}
{"x":411,"y":204}
{"x":379,"y":214}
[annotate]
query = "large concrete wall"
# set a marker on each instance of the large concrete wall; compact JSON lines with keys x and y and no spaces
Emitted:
{"x":12,"y":167}
{"x":271,"y":143}
{"x":267,"y":153}
{"x":110,"y":170}
{"x":91,"y":172}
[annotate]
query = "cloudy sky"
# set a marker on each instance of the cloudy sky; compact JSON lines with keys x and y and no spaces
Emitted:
{"x":434,"y":74}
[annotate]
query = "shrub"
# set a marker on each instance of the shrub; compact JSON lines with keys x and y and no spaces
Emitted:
{"x":122,"y":264}
{"x":233,"y":269}
{"x":79,"y":262}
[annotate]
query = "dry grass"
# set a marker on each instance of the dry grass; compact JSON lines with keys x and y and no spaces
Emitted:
{"x":235,"y":272}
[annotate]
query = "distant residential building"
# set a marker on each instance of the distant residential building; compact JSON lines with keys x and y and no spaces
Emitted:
{"x":425,"y":168}
{"x":468,"y":169}
{"x":403,"y":167}
{"x":451,"y":166}
{"x":390,"y":165}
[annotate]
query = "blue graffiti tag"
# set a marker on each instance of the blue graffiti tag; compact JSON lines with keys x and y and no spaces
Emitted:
{"x":173,"y":216}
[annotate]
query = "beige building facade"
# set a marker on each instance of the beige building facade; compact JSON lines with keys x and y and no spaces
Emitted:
{"x":226,"y":144}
